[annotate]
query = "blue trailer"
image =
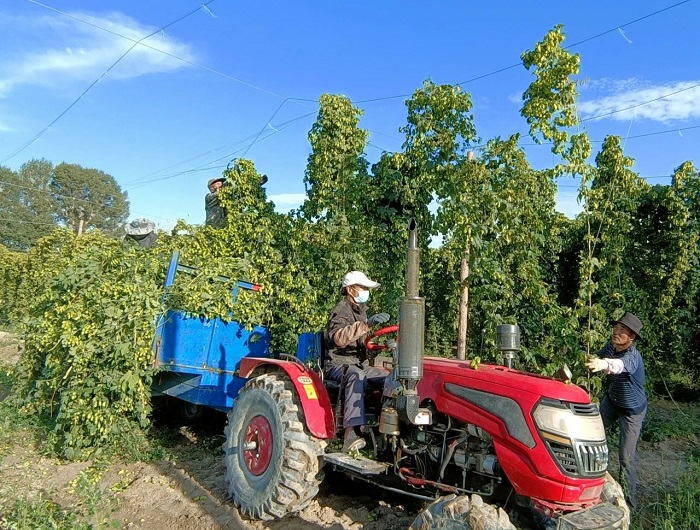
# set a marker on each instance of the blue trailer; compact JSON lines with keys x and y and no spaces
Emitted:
{"x":196,"y":358}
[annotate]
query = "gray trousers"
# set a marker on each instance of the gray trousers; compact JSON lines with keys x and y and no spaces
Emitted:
{"x":356,"y":380}
{"x":630,"y":429}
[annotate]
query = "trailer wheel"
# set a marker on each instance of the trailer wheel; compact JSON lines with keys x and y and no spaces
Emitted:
{"x":613,"y":493}
{"x":189,"y":412}
{"x":272,"y":463}
{"x":460,"y":512}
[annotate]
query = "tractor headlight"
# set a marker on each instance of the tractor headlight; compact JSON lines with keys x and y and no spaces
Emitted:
{"x":563,"y":421}
{"x":574,"y":435}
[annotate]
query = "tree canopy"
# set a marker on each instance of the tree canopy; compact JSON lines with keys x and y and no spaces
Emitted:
{"x":40,"y":197}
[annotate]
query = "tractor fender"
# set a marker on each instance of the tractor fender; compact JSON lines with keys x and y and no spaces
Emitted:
{"x":312,"y":394}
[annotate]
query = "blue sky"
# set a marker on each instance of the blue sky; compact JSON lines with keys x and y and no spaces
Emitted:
{"x":232,"y":79}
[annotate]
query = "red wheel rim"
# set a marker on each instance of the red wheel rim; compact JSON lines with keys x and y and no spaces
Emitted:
{"x":257,"y":445}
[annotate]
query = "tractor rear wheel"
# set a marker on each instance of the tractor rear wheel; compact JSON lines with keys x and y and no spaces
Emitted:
{"x":460,"y":512}
{"x":272,"y":463}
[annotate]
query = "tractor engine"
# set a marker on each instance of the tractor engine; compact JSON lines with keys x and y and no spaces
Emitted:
{"x":443,"y":457}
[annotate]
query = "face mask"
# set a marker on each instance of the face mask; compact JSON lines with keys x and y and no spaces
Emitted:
{"x":362,"y":297}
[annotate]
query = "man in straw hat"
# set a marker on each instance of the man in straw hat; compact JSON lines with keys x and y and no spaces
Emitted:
{"x":625,"y":399}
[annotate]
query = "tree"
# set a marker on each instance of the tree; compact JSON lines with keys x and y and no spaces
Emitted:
{"x":88,"y":198}
{"x":27,"y":207}
{"x":550,"y":109}
{"x":439,"y":131}
{"x":335,"y":164}
{"x":336,"y":178}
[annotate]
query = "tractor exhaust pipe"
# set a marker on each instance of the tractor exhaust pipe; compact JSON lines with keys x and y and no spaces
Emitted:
{"x":411,"y":338}
{"x":411,"y":319}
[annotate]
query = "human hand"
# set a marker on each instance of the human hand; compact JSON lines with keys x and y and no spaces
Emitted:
{"x":596,"y":365}
{"x":379,"y":318}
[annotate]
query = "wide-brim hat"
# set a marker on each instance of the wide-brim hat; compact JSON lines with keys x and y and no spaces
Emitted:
{"x":217,"y":179}
{"x":631,"y":321}
{"x":140,"y":227}
{"x":358,"y":278}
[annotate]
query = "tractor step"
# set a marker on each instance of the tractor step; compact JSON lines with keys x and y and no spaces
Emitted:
{"x":358,"y":464}
{"x":602,"y":516}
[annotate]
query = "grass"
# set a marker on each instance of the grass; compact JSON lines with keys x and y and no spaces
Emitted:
{"x":40,"y":513}
{"x":669,"y":421}
{"x":83,"y":504}
{"x":677,"y":509}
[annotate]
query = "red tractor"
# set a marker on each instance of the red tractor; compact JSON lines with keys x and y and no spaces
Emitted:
{"x":475,"y":439}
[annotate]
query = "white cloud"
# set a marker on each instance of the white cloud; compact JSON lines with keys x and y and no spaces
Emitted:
{"x":516,"y":97}
{"x":287,"y":201}
{"x":662,"y":103}
{"x":56,"y":50}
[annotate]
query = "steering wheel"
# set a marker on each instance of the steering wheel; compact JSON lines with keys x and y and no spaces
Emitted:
{"x":373,"y":346}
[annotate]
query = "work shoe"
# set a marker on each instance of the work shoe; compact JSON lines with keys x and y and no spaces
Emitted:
{"x":352,"y":442}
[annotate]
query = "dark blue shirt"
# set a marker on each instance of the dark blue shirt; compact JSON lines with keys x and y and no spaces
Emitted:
{"x":626,"y":389}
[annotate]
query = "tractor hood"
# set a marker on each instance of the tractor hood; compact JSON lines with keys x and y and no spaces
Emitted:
{"x":498,"y":380}
{"x":498,"y":399}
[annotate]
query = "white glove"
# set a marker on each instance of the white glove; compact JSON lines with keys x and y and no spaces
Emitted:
{"x":379,"y":318}
{"x":597,"y":365}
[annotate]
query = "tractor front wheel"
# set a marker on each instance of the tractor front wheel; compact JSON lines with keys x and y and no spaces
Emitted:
{"x":272,"y":463}
{"x":460,"y":512}
{"x":613,"y":493}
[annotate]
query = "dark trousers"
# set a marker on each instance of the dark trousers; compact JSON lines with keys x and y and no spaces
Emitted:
{"x":630,"y":429}
{"x":356,"y":380}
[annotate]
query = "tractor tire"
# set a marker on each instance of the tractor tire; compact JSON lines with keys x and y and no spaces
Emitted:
{"x":272,"y":463}
{"x":460,"y":512}
{"x":613,"y":494}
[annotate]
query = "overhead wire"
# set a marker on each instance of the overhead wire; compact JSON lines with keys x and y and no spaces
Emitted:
{"x":265,"y":126}
{"x":617,"y":27}
{"x":280,"y":127}
{"x":518,"y":64}
{"x":257,"y":137}
{"x":640,"y":104}
{"x":208,"y":166}
{"x":192,"y":63}
{"x":294,"y":99}
{"x":171,"y":55}
{"x":55,"y":120}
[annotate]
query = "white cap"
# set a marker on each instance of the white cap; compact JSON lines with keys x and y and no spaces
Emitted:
{"x":358,"y":278}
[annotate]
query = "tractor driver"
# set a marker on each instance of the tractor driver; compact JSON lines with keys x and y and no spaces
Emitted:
{"x":348,"y":327}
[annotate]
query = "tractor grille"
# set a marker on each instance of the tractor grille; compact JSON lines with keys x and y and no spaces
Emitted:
{"x":565,"y":456}
{"x":584,"y":459}
{"x":593,"y":458}
{"x":587,"y":409}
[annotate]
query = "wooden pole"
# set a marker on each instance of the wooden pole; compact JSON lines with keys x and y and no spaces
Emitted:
{"x":463,"y":309}
{"x":464,"y":296}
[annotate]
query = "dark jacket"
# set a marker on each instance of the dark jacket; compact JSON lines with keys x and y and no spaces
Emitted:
{"x":346,"y":331}
{"x":143,"y":241}
{"x":215,"y":213}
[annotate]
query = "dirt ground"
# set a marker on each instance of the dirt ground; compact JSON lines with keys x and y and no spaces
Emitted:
{"x":187,"y":491}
